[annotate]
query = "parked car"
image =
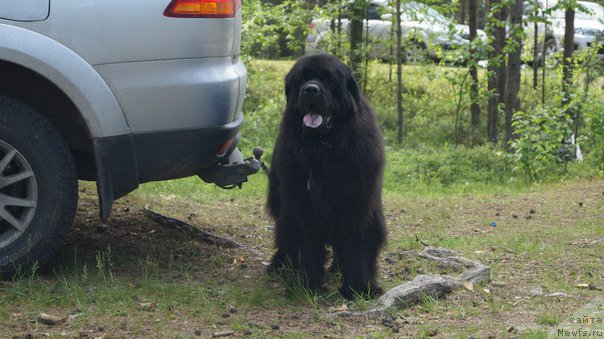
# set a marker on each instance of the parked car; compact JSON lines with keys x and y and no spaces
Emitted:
{"x":116,"y":92}
{"x":589,"y":27}
{"x":426,"y":32}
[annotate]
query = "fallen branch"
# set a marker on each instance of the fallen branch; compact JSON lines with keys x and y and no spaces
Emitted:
{"x":190,"y":229}
{"x":434,"y":286}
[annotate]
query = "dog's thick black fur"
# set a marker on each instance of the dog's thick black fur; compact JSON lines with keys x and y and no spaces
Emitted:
{"x":326,"y":177}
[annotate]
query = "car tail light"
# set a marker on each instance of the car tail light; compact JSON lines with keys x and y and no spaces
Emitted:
{"x":222,"y":150}
{"x":202,"y":8}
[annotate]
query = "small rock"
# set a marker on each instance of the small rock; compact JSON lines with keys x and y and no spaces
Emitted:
{"x":74,"y":316}
{"x":148,"y":307}
{"x":341,"y":308}
{"x":225,"y":315}
{"x":536,"y":291}
{"x":233,"y":309}
{"x":222,"y":334}
{"x":49,"y":319}
{"x":275,"y":327}
{"x":270,"y":228}
{"x":558,"y":295}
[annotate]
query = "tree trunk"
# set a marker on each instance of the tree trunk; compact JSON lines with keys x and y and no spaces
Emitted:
{"x":496,"y":68}
{"x":512,"y":105}
{"x":475,"y":107}
{"x":536,"y":52}
{"x":365,"y":49}
{"x":356,"y":37}
{"x":544,"y":50}
{"x":569,"y":46}
{"x":399,"y":75}
{"x":462,"y":11}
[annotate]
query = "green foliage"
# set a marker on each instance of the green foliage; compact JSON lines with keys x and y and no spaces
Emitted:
{"x":593,"y":138}
{"x":540,"y":136}
{"x":434,"y":168}
{"x":272,"y":31}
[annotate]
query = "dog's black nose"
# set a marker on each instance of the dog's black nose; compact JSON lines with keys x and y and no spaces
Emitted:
{"x":312,"y":89}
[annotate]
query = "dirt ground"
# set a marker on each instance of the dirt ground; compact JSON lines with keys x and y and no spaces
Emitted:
{"x":163,"y":283}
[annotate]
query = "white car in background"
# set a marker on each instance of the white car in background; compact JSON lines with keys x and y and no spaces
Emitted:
{"x":589,"y":27}
{"x":426,"y":32}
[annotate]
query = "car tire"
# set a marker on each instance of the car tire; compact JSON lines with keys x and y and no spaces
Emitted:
{"x":415,"y":53}
{"x":38,"y":188}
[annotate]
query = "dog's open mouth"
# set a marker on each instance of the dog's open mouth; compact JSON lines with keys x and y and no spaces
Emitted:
{"x":312,"y":120}
{"x":315,"y":122}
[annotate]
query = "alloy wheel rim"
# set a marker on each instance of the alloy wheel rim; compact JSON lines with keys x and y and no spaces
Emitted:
{"x":18,"y":194}
{"x":414,"y":54}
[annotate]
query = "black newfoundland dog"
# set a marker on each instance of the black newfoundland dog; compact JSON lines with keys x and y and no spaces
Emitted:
{"x":326,"y":177}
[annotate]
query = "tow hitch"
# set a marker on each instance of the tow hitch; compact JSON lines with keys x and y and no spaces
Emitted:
{"x":235,"y":170}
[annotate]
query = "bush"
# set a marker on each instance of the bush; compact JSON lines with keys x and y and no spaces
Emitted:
{"x":446,"y":167}
{"x":540,"y":142}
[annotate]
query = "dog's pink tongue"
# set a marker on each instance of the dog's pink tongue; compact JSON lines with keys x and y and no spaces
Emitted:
{"x":313,"y":120}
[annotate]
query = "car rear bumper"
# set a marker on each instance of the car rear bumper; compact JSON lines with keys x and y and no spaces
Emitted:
{"x":177,"y":94}
{"x":182,"y":153}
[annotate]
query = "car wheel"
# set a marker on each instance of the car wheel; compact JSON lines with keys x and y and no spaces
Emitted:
{"x":38,"y":188}
{"x":415,"y":53}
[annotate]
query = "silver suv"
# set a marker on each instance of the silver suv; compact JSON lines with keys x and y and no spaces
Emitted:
{"x":118,"y":92}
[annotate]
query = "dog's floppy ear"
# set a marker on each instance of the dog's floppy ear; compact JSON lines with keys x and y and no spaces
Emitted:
{"x":353,"y":89}
{"x":287,"y":85}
